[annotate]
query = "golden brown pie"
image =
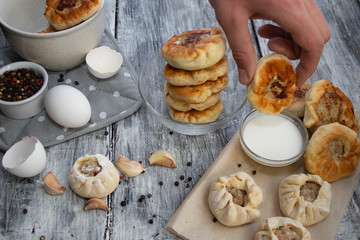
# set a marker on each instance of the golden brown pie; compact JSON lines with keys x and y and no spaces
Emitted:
{"x":279,"y":228}
{"x":297,"y":105}
{"x":273,"y":85}
{"x":63,"y":14}
{"x":197,"y":93}
{"x":93,"y":176}
{"x":180,"y":77}
{"x":193,"y":116}
{"x":234,"y":199}
{"x":305,"y":197}
{"x":326,"y":103}
{"x":333,"y":152}
{"x":195,"y":49}
{"x":184,"y":106}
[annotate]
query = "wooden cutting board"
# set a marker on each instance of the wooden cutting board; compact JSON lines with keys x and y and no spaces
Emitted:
{"x":193,"y":219}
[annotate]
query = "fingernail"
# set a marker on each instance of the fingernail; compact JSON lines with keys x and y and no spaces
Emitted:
{"x":243,"y":76}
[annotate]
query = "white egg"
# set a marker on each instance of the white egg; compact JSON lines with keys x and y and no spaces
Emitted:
{"x":103,"y":62}
{"x":25,"y":158}
{"x":67,"y":106}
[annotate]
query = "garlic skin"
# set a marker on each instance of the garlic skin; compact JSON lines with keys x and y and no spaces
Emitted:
{"x":52,"y":185}
{"x":96,"y":203}
{"x":162,"y":158}
{"x":129,"y":168}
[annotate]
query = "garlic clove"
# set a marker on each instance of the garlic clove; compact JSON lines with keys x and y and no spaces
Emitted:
{"x":129,"y":168}
{"x":52,"y":185}
{"x":96,"y":203}
{"x":162,"y":158}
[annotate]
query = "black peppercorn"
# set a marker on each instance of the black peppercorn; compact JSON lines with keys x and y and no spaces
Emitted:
{"x":176,"y":183}
{"x":123,"y":203}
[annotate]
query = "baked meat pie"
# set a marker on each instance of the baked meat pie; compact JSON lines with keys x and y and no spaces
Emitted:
{"x":333,"y":152}
{"x":195,"y":49}
{"x":305,"y":197}
{"x":273,"y":85}
{"x":93,"y":176}
{"x":193,"y":116}
{"x":297,"y":105}
{"x":63,"y":14}
{"x":234,"y":199}
{"x":197,"y":93}
{"x":282,"y":228}
{"x":325,"y":104}
{"x":180,"y":77}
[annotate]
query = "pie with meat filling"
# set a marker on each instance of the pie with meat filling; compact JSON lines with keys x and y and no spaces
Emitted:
{"x":305,"y":197}
{"x":184,"y":106}
{"x":197,"y":93}
{"x":193,"y":116}
{"x":93,"y":176}
{"x":180,"y":77}
{"x":297,"y":105}
{"x":63,"y":14}
{"x":195,"y":49}
{"x":282,"y":228}
{"x":326,"y":103}
{"x":273,"y":85}
{"x":333,"y":152}
{"x":234,"y":199}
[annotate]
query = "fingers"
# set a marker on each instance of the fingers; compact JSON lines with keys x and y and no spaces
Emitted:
{"x":234,"y":20}
{"x":318,"y":18}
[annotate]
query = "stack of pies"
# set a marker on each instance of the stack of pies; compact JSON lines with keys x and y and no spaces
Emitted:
{"x":196,"y":73}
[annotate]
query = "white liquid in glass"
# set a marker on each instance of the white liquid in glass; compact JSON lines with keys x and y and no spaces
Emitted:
{"x":273,"y":137}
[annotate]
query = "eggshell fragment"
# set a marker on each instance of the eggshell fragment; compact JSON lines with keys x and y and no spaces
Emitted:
{"x":68,"y":106}
{"x":25,"y":158}
{"x":103,"y":62}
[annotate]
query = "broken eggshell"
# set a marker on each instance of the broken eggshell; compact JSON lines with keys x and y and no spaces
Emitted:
{"x":103,"y":62}
{"x":25,"y":158}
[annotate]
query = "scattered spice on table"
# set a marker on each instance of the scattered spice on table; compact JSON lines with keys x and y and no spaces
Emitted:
{"x":29,"y":180}
{"x":25,"y":211}
{"x":76,"y":83}
{"x":239,"y":165}
{"x":189,"y":164}
{"x":19,"y":84}
{"x":187,"y":185}
{"x":171,"y":132}
{"x":151,"y":221}
{"x":254,"y":172}
{"x":182,"y":177}
{"x":123,"y":203}
{"x":214,"y":219}
{"x":149,"y":195}
{"x":189,"y":179}
{"x":176,"y":183}
{"x":161,"y":183}
{"x":42,"y":238}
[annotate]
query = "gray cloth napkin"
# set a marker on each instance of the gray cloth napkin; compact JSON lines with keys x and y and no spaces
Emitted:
{"x":111,"y":100}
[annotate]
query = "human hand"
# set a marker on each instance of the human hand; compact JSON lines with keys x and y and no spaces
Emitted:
{"x":301,"y":33}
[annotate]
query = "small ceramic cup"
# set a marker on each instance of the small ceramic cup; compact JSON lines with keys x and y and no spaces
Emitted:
{"x":28,"y":107}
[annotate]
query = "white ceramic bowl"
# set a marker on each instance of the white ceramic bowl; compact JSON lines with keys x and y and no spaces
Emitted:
{"x":296,"y":142}
{"x":151,"y":88}
{"x":21,"y":20}
{"x":28,"y":107}
{"x":103,"y":62}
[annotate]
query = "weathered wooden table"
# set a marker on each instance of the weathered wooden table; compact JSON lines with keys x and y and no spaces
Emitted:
{"x":141,"y":27}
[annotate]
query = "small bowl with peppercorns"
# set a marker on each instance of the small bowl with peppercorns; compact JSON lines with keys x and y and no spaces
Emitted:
{"x":23,"y":86}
